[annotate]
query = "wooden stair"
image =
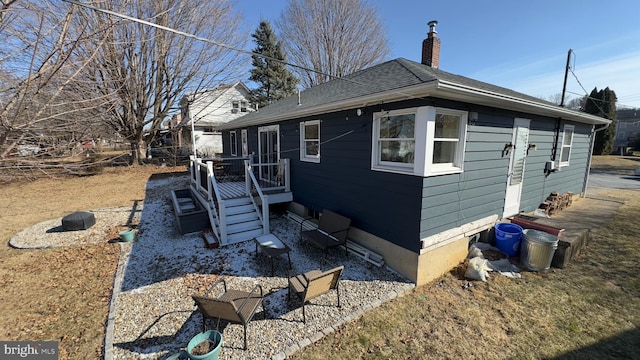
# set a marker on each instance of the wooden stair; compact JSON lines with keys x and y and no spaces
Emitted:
{"x":242,"y":220}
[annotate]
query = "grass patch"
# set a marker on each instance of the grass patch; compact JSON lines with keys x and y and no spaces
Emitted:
{"x":590,"y":310}
{"x":623,"y":165}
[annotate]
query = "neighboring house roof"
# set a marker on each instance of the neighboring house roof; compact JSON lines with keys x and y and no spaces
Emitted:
{"x":402,"y":79}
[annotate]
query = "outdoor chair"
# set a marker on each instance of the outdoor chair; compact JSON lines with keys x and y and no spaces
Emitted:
{"x":234,"y":306}
{"x":314,"y":283}
{"x":332,"y":231}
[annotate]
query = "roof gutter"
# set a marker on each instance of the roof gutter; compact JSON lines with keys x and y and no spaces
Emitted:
{"x":438,"y":88}
{"x":493,"y":99}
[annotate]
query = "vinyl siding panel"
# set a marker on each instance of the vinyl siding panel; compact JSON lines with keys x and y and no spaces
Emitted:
{"x":477,"y":192}
{"x":384,"y":204}
{"x":405,"y":208}
{"x":537,"y":186}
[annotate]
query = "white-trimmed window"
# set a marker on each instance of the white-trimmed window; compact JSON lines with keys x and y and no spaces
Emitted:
{"x":233,"y":142}
{"x":567,"y":141}
{"x":235,"y":106}
{"x":395,"y":142}
{"x":244,"y":143}
{"x":243,"y":106}
{"x":310,"y":141}
{"x":421,"y":141}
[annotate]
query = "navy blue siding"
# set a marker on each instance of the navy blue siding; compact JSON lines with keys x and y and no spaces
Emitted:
{"x":384,"y":204}
{"x":537,"y":186}
{"x":453,"y":200}
{"x":404,"y":208}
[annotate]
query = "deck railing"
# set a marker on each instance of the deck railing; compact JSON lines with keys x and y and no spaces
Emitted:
{"x":272,"y":176}
{"x":203,"y":182}
{"x":207,"y":174}
{"x":251,"y":186}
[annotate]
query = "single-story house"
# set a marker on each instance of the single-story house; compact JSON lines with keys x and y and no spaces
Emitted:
{"x":420,"y":159}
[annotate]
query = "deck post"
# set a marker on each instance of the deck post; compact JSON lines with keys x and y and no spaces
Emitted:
{"x":247,"y":179}
{"x":265,"y":215}
{"x":287,"y":175}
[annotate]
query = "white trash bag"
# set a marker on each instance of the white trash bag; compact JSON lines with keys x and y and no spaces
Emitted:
{"x":477,"y":269}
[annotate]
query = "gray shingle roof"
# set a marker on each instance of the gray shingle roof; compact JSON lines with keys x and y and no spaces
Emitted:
{"x":391,"y":77}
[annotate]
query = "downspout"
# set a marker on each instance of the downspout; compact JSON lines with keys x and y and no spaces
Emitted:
{"x":588,"y":172}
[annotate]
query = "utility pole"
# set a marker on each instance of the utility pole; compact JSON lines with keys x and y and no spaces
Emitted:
{"x":566,"y":73}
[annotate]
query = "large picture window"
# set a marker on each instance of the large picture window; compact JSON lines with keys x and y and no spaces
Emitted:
{"x":421,"y":141}
{"x":310,"y":141}
{"x":567,"y":142}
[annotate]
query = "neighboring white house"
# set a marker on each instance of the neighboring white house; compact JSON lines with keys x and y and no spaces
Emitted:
{"x":208,"y":109}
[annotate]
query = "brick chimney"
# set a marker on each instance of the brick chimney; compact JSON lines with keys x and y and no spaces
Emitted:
{"x":431,"y":47}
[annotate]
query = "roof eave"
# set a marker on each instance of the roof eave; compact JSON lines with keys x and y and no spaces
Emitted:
{"x":455,"y":91}
{"x":437,"y":88}
{"x":420,"y":90}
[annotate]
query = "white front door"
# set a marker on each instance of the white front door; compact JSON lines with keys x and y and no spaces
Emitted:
{"x":269,"y":151}
{"x":518,"y":156}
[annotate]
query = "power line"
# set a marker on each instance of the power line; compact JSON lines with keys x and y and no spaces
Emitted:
{"x":233,"y":48}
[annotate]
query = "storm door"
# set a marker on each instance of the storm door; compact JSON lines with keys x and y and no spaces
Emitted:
{"x":269,"y":151}
{"x":518,"y":157}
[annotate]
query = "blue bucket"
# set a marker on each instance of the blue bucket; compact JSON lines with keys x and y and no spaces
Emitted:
{"x":508,"y":238}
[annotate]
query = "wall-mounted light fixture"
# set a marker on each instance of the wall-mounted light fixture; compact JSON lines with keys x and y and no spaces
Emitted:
{"x":359,"y":112}
{"x":531,"y":147}
{"x":507,"y":149}
{"x":473,"y":118}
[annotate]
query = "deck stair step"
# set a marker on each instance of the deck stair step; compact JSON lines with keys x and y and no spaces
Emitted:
{"x":240,"y":209}
{"x":244,"y":226}
{"x":242,"y":217}
{"x":244,"y":236}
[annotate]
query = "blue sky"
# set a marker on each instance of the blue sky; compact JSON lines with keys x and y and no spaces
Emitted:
{"x":521,"y":45}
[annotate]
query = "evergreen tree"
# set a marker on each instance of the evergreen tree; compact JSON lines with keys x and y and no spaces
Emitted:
{"x":274,"y":80}
{"x":603,"y":103}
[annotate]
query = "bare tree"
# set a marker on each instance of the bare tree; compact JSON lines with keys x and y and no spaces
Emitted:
{"x":36,"y":80}
{"x":576,"y":103}
{"x":145,"y":69}
{"x":331,"y":37}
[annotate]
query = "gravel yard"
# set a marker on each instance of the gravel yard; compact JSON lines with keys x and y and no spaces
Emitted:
{"x":152,"y":314}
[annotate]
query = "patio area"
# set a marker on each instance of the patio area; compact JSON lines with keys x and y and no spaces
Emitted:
{"x":153,"y":315}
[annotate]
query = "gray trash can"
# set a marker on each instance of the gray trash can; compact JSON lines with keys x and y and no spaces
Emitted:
{"x":537,"y":249}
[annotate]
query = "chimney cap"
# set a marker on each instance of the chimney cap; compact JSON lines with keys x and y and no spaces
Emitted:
{"x":432,"y":26}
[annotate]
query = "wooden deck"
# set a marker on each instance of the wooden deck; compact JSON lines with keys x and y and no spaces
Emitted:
{"x":232,"y":189}
{"x":236,"y":189}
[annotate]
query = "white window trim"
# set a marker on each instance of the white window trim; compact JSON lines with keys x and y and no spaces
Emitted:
{"x":563,"y":146}
{"x":233,"y":143}
{"x":303,"y":153}
{"x":424,"y":131}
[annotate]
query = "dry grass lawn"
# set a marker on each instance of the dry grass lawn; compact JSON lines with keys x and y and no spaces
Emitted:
{"x":590,"y":310}
{"x":624,"y":165}
{"x":62,"y":294}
